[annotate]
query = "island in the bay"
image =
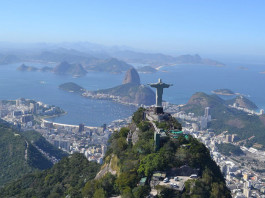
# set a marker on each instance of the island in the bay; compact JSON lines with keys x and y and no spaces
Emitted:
{"x":226,"y":92}
{"x":147,"y":69}
{"x":130,"y":92}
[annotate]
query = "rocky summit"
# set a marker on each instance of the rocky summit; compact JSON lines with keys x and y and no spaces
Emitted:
{"x":132,"y":76}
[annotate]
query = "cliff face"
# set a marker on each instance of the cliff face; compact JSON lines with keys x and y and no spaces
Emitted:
{"x":132,"y":76}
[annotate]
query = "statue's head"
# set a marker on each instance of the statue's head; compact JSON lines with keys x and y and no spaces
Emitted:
{"x":160,"y":80}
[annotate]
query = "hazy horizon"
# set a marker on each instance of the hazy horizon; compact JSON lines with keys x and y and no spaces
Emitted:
{"x":175,"y":27}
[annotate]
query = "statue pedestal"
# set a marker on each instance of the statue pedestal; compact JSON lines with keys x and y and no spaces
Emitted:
{"x":159,"y":110}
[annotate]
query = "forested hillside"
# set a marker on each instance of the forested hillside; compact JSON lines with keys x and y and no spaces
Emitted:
{"x":19,"y":154}
{"x":125,"y":164}
{"x":65,"y":178}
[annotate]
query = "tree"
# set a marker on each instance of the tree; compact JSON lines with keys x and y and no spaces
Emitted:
{"x":218,"y":191}
{"x":149,"y":164}
{"x":141,"y":191}
{"x":99,"y":193}
{"x":125,"y":180}
{"x":124,"y":132}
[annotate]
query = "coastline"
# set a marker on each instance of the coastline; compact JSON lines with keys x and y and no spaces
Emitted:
{"x":52,"y":116}
{"x":112,"y":98}
{"x":158,"y":68}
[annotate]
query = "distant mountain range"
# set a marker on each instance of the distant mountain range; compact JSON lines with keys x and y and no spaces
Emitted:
{"x":162,"y":59}
{"x":95,"y":57}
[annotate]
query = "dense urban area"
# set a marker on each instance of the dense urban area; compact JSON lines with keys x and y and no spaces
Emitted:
{"x":242,"y":167}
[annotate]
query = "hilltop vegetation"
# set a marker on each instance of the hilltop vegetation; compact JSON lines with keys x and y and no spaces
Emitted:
{"x":19,"y":154}
{"x":229,"y":119}
{"x":124,"y":165}
{"x":131,"y":162}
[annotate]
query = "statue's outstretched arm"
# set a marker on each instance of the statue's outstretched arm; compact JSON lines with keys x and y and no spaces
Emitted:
{"x":151,"y":84}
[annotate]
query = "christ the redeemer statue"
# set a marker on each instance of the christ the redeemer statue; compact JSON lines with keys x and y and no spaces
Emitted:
{"x":159,"y":91}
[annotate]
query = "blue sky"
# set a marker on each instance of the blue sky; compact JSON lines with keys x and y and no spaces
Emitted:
{"x":187,"y":26}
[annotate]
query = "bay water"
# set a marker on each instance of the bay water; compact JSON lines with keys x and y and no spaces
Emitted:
{"x":186,"y":80}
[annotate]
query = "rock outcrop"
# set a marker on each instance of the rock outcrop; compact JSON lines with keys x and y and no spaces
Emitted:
{"x":132,"y":76}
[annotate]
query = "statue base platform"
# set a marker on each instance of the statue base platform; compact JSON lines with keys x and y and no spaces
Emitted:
{"x":158,"y":110}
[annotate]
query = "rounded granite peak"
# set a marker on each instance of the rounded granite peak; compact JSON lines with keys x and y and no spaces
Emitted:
{"x":132,"y":76}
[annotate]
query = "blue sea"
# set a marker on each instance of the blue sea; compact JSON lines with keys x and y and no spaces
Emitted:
{"x":186,"y":80}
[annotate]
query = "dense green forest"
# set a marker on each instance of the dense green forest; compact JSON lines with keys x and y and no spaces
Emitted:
{"x":19,"y":154}
{"x":67,"y":177}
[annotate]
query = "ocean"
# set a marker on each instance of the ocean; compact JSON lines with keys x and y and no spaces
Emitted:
{"x":186,"y":80}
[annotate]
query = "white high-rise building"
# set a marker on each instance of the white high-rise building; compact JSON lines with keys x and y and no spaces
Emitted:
{"x":207,"y":111}
{"x":246,"y":192}
{"x":18,"y":102}
{"x":207,"y":114}
{"x":103,"y":149}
